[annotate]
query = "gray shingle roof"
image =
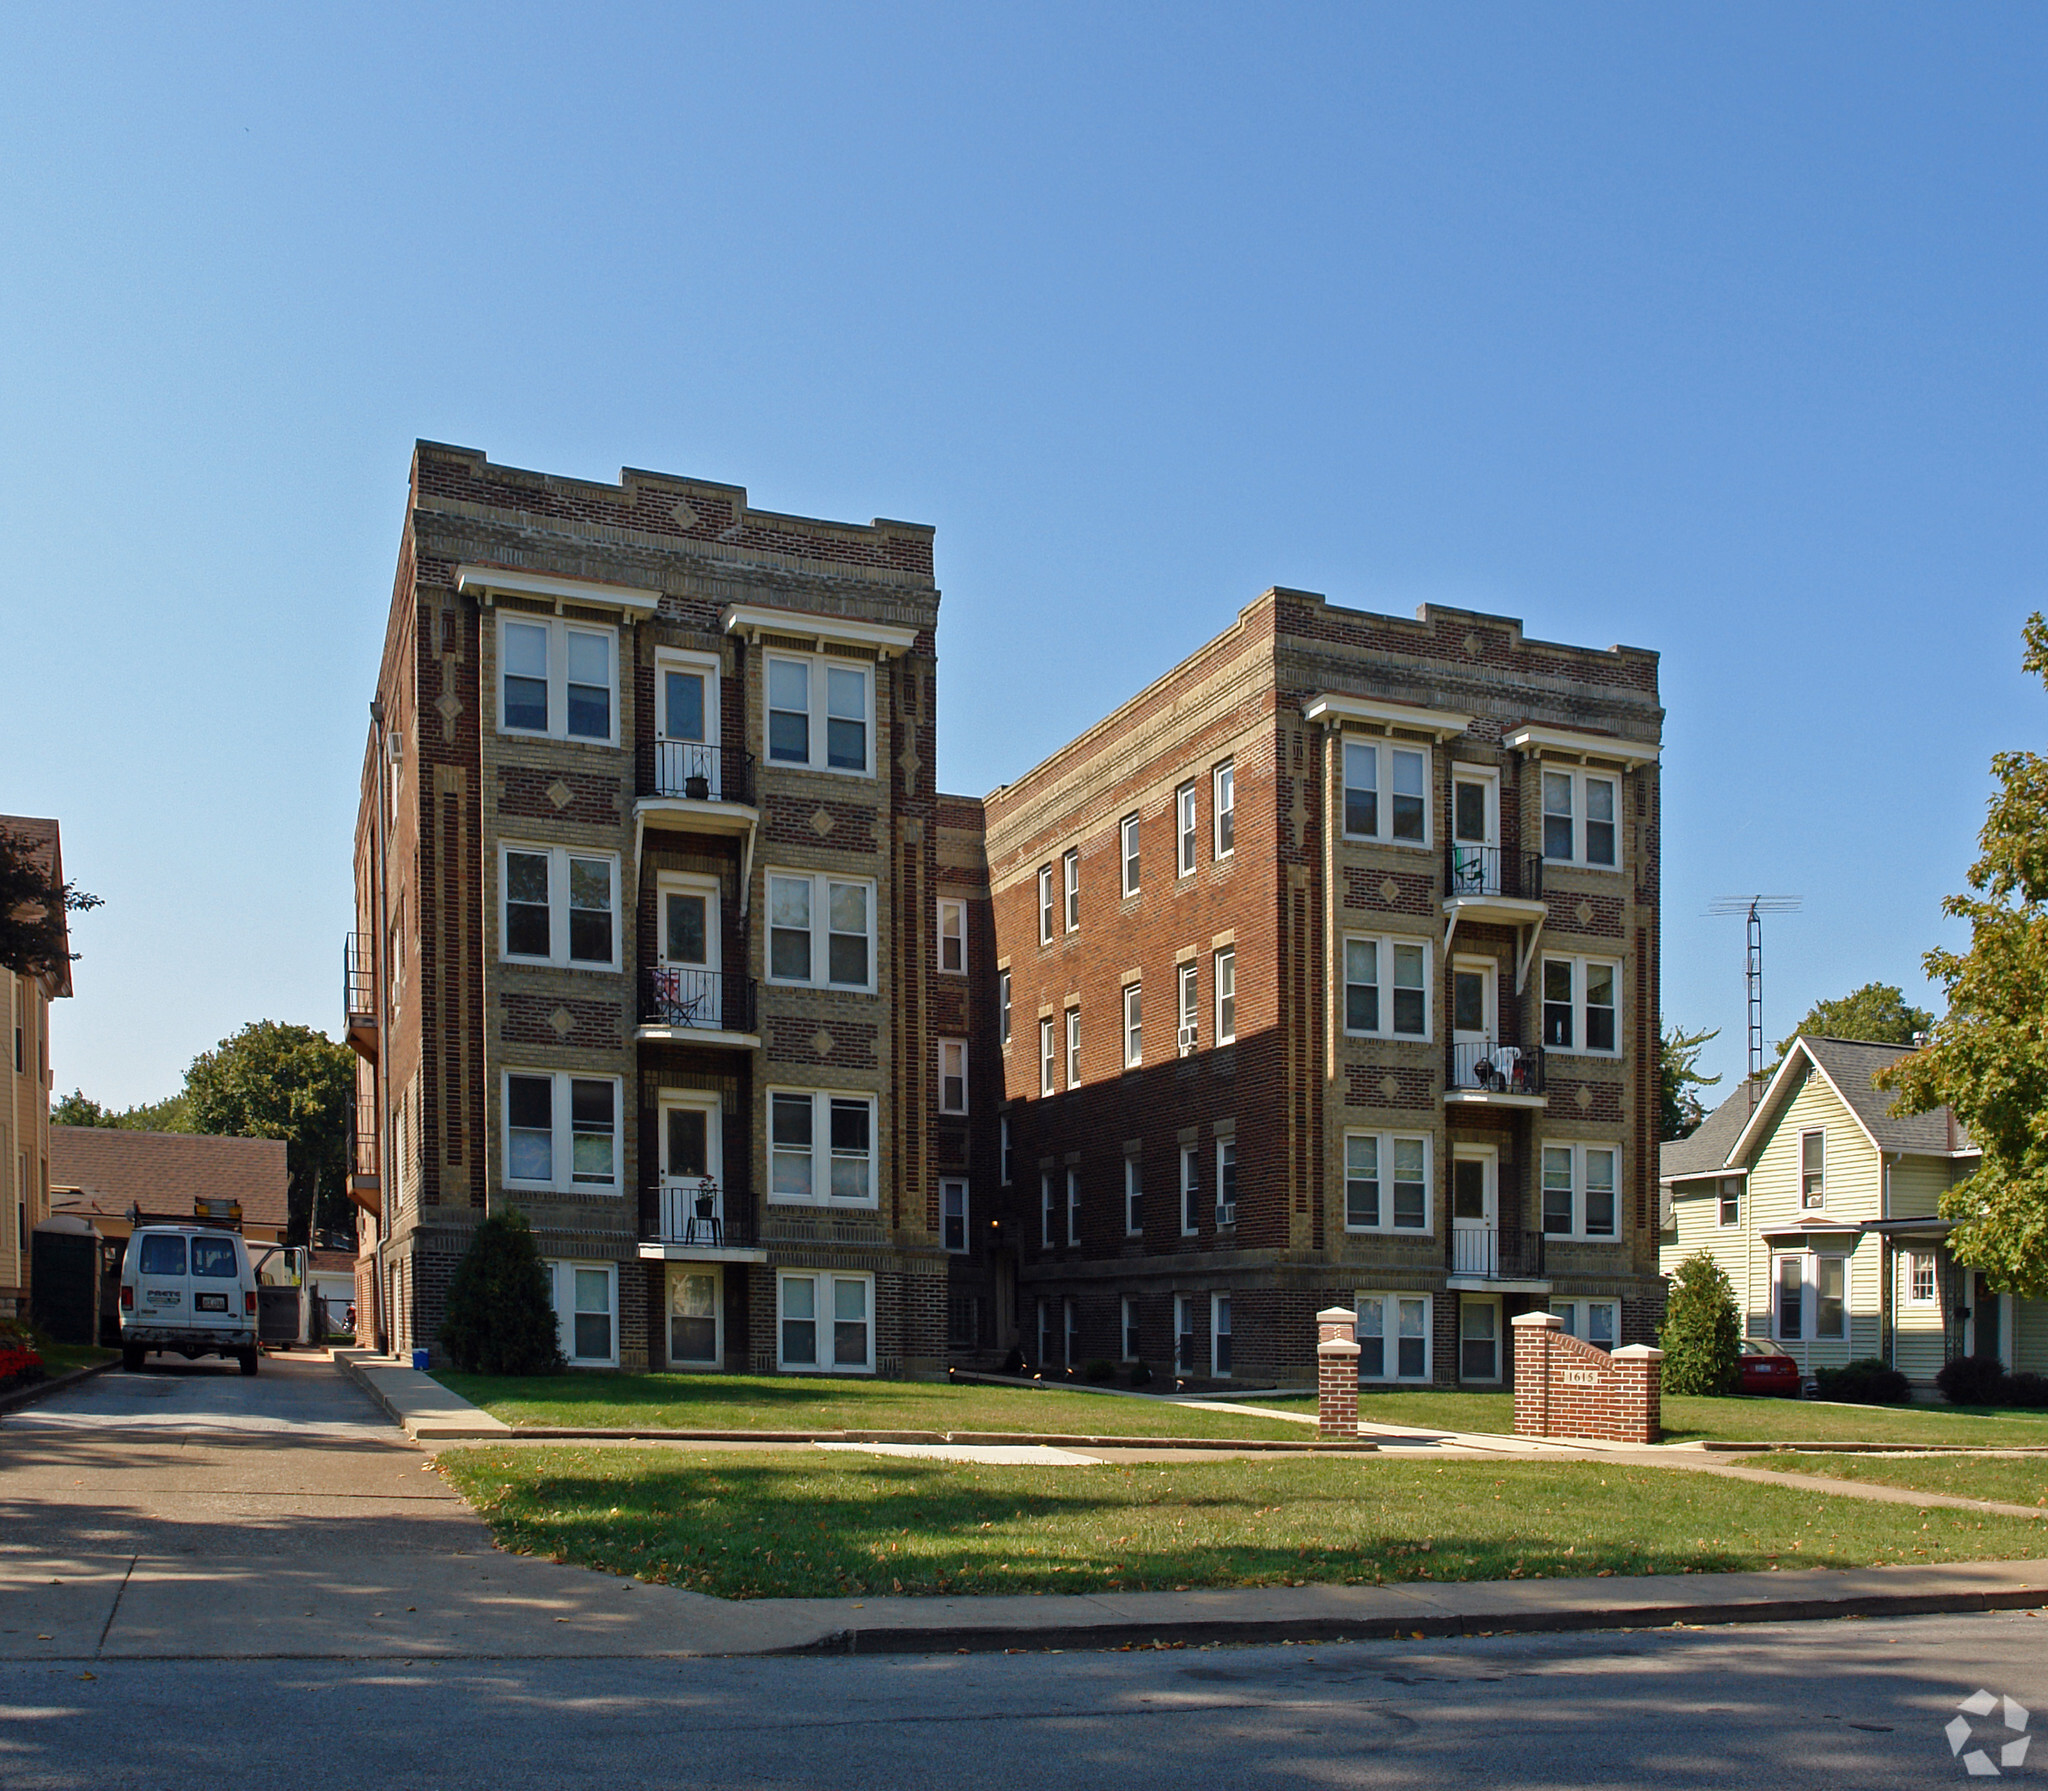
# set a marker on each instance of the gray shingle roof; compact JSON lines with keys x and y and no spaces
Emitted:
{"x":1706,"y":1150}
{"x":164,"y":1172}
{"x":1850,"y":1064}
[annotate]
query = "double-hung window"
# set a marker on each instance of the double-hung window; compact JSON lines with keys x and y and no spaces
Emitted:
{"x":1226,"y":995}
{"x":1070,"y":883}
{"x":1190,"y":1191}
{"x":1729,"y":1200}
{"x":1134,"y":1028}
{"x":821,"y":1148}
{"x":952,"y":1075}
{"x":1128,"y":841}
{"x":1386,"y":792}
{"x":1813,"y":1170}
{"x":1073,"y":1047}
{"x":826,"y":1322}
{"x":559,"y":907}
{"x":1393,"y":1337}
{"x":953,"y":1216}
{"x":952,"y":936}
{"x":583,"y":1296}
{"x":1073,"y":1206}
{"x":1045,"y":904}
{"x":1597,"y":1322}
{"x":1134,"y":1196}
{"x":562,"y":1132}
{"x":1920,"y":1276}
{"x":1223,"y":782}
{"x":1386,"y":988}
{"x":820,"y":713}
{"x":1580,"y":1197}
{"x":1003,"y":1148}
{"x":1581,"y":1010}
{"x":821,"y":930}
{"x":1003,"y":1004}
{"x":1045,"y":1057}
{"x":1184,"y":1333}
{"x":1580,"y":818}
{"x":1184,"y":828}
{"x":1128,"y":1328}
{"x":1386,"y":1182}
{"x":1190,"y":1007}
{"x":1045,"y":1209}
{"x":557,"y":679}
{"x":1226,"y":1181}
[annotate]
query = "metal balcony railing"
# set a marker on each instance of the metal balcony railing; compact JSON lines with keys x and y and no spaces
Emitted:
{"x":699,"y":1000}
{"x":358,"y":976}
{"x":700,"y":773}
{"x":363,"y":1149}
{"x":1494,"y":1067}
{"x":698,"y":1210}
{"x":1504,"y":1253}
{"x":1492,"y":871}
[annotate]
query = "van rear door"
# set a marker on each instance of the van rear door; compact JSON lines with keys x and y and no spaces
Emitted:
{"x":217,"y":1301}
{"x":162,"y":1286}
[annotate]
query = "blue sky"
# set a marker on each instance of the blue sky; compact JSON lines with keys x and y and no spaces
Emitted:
{"x":1716,"y":330}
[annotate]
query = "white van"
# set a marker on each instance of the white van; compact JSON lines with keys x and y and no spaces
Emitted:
{"x":190,"y":1291}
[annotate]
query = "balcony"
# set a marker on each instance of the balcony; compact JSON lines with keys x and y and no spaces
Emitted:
{"x":698,"y":1007}
{"x":1494,"y":1254}
{"x":698,"y":773}
{"x":365,"y":1186}
{"x":696,"y":1219}
{"x":359,"y":994}
{"x":1492,"y":886}
{"x":1488,"y":1073}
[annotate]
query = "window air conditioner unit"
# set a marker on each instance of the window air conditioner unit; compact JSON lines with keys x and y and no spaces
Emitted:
{"x":1187,"y":1038}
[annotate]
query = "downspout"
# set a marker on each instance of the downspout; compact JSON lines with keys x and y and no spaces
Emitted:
{"x":381,"y":1075}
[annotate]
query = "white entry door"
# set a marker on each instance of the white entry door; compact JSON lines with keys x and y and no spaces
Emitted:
{"x":691,"y":1156}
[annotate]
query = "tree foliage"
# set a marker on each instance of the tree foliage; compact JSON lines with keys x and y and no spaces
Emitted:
{"x":273,"y":1080}
{"x":1702,"y":1334}
{"x":33,"y":941}
{"x":1877,"y":1012}
{"x":171,"y":1114}
{"x":1987,"y":1059}
{"x":499,"y":1317}
{"x":1680,"y":1108}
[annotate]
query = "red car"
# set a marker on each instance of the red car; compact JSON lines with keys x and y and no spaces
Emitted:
{"x":1767,"y":1369}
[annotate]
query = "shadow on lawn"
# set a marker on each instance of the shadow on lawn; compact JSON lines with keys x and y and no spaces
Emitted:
{"x":709,"y":1393}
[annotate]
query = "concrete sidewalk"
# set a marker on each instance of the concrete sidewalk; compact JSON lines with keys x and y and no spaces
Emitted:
{"x":417,"y":1403}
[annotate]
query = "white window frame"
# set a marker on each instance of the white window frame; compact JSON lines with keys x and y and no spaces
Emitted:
{"x":561,"y":1133}
{"x":678,"y":659}
{"x":1224,"y":979}
{"x":1073,"y":1206}
{"x":952,"y":932}
{"x":1188,"y":978}
{"x":1580,"y":1150}
{"x":1488,"y":1303}
{"x":1044,"y":1334}
{"x":1384,"y":947}
{"x":558,"y":858}
{"x":1226,"y":1177}
{"x":1073,"y":1047}
{"x":1223,"y":809}
{"x":824,"y":1286}
{"x":1813,"y":1199}
{"x":956,"y":1051}
{"x":688,"y":883}
{"x":1728,"y":1192}
{"x":1129,"y":855}
{"x":1580,"y":778}
{"x":1187,"y":829}
{"x":558,"y":631}
{"x":1219,"y":1332}
{"x":1383,"y":760}
{"x":1578,"y":1320}
{"x":1003,"y":1004}
{"x":1386,"y":1157}
{"x":1070,"y":888}
{"x":821,"y":1194}
{"x":820,"y":929}
{"x":1487,"y":779}
{"x":953,"y":1193}
{"x":1045,"y":1209}
{"x":1580,"y":1008}
{"x":1127,"y":1327}
{"x":1047,"y":1059}
{"x":1003,"y":1164}
{"x":1070,"y":1333}
{"x":1134,"y":1195}
{"x":1190,"y":1190}
{"x":818,"y":670}
{"x":1915,"y":1261}
{"x":1134,"y":1025}
{"x":1045,"y":909}
{"x":677,"y":1273}
{"x":1387,"y":1322}
{"x":562,"y":1272}
{"x":1183,"y":1333}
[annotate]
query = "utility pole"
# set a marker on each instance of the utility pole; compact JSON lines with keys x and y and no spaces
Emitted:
{"x":1755,"y":907}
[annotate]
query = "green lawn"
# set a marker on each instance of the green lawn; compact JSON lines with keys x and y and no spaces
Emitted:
{"x":62,"y":1358}
{"x":784,"y":1402}
{"x":764,"y":1525}
{"x":1725,"y":1420}
{"x":2011,"y":1480}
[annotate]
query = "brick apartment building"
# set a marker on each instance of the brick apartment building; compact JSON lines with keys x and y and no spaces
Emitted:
{"x":1323,"y":970}
{"x":25,"y":1080}
{"x":1327,"y":974}
{"x":646,"y":876}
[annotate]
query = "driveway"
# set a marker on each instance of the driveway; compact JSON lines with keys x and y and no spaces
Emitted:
{"x":189,"y":1512}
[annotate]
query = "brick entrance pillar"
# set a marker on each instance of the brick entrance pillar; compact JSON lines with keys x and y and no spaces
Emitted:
{"x":1639,"y":1405}
{"x":1337,"y":1373}
{"x":1565,"y":1387}
{"x":1533,"y":1333}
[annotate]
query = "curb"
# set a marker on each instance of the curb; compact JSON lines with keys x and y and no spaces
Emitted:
{"x":25,"y":1396}
{"x":1509,"y":1620}
{"x":546,"y":1433}
{"x":1722,"y":1448}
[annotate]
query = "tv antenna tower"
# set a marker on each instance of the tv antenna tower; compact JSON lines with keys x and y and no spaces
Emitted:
{"x":1755,"y":907}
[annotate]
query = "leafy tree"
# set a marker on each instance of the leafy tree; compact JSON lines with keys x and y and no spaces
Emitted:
{"x":1988,"y":1057}
{"x":32,"y":910}
{"x":1678,"y":1056}
{"x":1702,"y":1334}
{"x":1878,"y":1012}
{"x":171,"y":1114}
{"x":499,"y":1318}
{"x":271,"y":1080}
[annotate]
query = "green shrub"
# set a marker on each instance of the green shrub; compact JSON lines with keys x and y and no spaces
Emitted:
{"x":1100,"y":1372}
{"x":2029,"y":1390}
{"x":1139,"y":1376}
{"x":1972,"y":1380}
{"x":1865,"y":1381}
{"x":500,"y":1319}
{"x":1702,"y":1334}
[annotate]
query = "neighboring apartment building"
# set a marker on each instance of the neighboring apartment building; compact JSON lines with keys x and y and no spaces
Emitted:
{"x":648,"y":880}
{"x":1327,"y":972}
{"x":1823,"y":1207}
{"x":25,"y":1082}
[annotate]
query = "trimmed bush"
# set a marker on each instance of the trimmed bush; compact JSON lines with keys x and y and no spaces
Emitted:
{"x":2029,"y":1390}
{"x":1139,"y":1376}
{"x":1702,"y":1333}
{"x":500,"y":1319}
{"x":1972,"y":1380}
{"x":1865,"y":1381}
{"x":1100,"y":1372}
